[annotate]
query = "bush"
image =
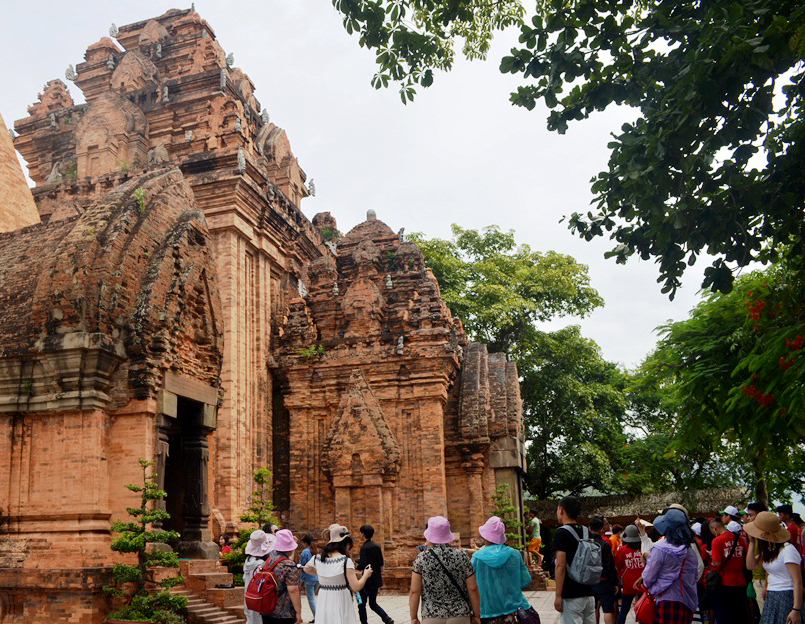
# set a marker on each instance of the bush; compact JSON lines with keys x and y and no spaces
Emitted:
{"x":259,"y":513}
{"x":144,"y":598}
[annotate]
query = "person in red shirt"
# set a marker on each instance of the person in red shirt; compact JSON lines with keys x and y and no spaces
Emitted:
{"x":728,"y":558}
{"x":786,"y":515}
{"x":629,"y":564}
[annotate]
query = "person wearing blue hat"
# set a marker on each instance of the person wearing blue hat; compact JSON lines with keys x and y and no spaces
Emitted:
{"x":671,"y":570}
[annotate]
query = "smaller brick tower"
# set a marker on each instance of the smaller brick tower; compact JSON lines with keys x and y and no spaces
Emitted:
{"x":18,"y":208}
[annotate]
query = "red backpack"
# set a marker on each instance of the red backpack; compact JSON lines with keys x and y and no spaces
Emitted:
{"x":263,"y":590}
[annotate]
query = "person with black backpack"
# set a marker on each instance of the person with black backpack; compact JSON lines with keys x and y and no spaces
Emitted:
{"x":578,"y":565}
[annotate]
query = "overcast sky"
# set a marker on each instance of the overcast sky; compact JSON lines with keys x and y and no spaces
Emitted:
{"x":459,"y":154}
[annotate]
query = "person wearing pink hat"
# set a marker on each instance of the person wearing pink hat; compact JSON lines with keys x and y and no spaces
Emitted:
{"x":500,"y":572}
{"x":289,"y":602}
{"x":443,"y":581}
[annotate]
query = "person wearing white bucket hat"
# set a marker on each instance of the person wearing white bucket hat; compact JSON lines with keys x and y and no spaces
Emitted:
{"x":256,"y":555}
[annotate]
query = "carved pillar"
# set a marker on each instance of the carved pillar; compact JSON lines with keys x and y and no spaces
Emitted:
{"x":161,"y":457}
{"x":196,"y":540}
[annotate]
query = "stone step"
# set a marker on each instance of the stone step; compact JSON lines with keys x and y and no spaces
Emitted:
{"x":201,"y":611}
{"x":196,"y":566}
{"x":229,"y":597}
{"x":197,"y":583}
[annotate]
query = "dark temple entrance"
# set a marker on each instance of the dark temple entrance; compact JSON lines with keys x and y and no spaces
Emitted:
{"x":186,"y":458}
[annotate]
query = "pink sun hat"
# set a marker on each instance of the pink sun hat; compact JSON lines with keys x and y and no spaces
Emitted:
{"x":286,"y":542}
{"x":438,"y":531}
{"x":493,"y":531}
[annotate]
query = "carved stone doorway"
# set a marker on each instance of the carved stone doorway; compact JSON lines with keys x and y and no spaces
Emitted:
{"x":186,"y":458}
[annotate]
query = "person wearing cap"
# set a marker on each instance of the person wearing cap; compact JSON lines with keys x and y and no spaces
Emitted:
{"x":670,"y":574}
{"x":288,"y":609}
{"x":786,"y":515}
{"x":500,"y":574}
{"x":727,"y":555}
{"x":782,"y":561}
{"x":443,"y":581}
{"x":759,"y":573}
{"x":337,"y":578}
{"x":629,"y":564}
{"x":256,"y":554}
{"x":729,"y":514}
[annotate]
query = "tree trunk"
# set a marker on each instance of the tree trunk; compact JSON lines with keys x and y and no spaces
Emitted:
{"x":761,"y":490}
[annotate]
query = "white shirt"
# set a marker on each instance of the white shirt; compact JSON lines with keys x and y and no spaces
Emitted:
{"x":778,"y":578}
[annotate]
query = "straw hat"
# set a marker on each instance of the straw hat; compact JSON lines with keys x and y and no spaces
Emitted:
{"x":768,"y":528}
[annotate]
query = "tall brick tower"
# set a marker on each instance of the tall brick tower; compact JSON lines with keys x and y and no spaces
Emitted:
{"x":18,"y":208}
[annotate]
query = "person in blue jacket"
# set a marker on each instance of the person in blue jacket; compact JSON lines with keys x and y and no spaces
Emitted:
{"x":501,"y":573}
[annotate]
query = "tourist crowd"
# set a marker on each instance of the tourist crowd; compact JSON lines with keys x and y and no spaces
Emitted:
{"x":448,"y":586}
{"x":740,"y":567}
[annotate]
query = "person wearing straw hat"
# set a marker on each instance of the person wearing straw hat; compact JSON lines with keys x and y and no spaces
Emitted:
{"x":289,"y":601}
{"x":500,"y":573}
{"x":256,"y":554}
{"x":629,"y":563}
{"x":781,"y":560}
{"x":443,"y":581}
{"x":337,"y":578}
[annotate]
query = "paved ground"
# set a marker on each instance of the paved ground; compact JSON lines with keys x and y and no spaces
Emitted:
{"x":397,"y":607}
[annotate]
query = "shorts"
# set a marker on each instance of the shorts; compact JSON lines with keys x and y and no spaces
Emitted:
{"x":605,"y":596}
{"x":534,"y":544}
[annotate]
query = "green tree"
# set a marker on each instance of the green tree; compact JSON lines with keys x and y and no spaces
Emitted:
{"x":655,"y":459}
{"x":135,"y":583}
{"x":574,"y":406}
{"x":572,"y":399}
{"x":713,"y":163}
{"x":500,"y":289}
{"x":259,"y":513}
{"x":507,"y":511}
{"x":735,"y":373}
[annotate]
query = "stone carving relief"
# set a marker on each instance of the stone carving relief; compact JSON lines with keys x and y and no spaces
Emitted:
{"x":360,"y":428}
{"x":113,"y":132}
{"x":154,"y":32}
{"x":363,"y":308}
{"x":54,"y":97}
{"x":135,"y":71}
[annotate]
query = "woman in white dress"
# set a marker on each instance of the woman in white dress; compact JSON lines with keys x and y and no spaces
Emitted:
{"x":337,"y":578}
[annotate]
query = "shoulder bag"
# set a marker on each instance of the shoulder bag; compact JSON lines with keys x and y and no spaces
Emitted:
{"x":712,"y":579}
{"x":461,"y":590}
{"x":646,"y":605}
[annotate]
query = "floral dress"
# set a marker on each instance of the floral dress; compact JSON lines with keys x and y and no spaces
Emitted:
{"x":440,"y":597}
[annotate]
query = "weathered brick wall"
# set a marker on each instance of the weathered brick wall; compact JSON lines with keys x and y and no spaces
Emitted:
{"x":17,"y":208}
{"x":101,"y":309}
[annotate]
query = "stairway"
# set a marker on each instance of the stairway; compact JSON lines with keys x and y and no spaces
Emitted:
{"x":207,"y":604}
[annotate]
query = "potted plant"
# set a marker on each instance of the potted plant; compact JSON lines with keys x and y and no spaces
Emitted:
{"x":260,"y":513}
{"x":144,"y":598}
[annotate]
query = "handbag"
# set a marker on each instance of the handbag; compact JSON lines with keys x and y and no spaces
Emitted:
{"x":646,"y":605}
{"x":712,"y":579}
{"x":527,"y":616}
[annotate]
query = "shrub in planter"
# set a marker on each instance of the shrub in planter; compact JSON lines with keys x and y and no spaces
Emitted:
{"x":145,"y":599}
